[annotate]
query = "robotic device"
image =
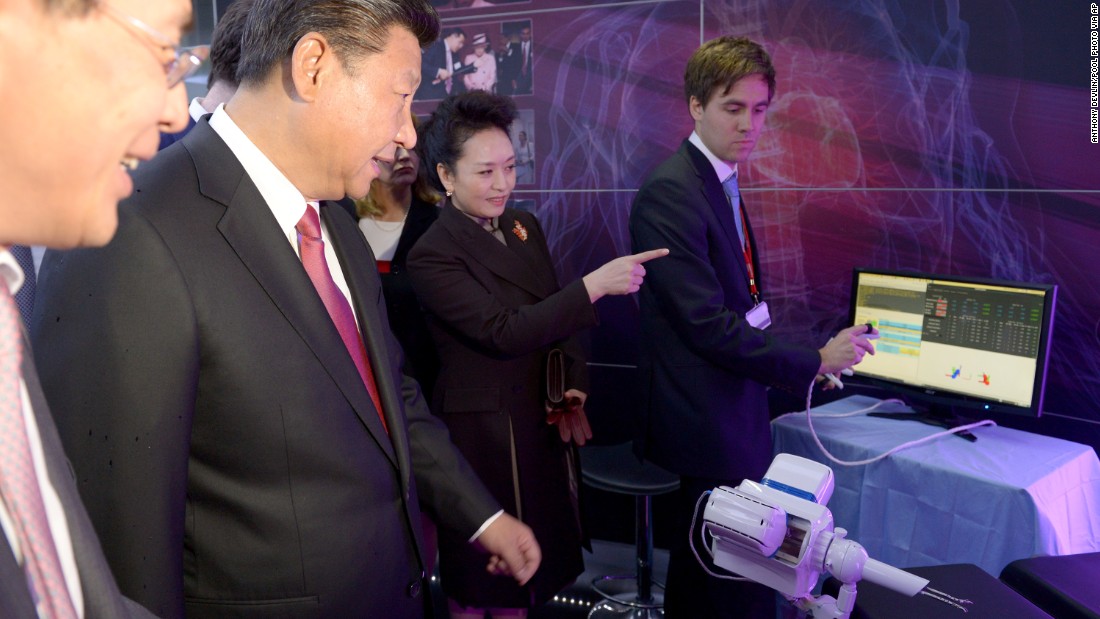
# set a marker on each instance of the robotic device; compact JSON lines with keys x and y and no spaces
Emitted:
{"x":780,"y":534}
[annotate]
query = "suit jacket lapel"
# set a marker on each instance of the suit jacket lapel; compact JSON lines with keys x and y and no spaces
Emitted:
{"x":711,"y":186}
{"x":487,"y":251}
{"x":531,"y":253}
{"x":250,"y":228}
{"x":752,"y":243}
{"x":15,"y":598}
{"x":366,"y":289}
{"x":420,"y":217}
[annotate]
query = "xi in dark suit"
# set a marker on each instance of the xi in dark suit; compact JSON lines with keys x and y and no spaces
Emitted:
{"x":495,"y":311}
{"x":229,"y":454}
{"x":703,"y":369}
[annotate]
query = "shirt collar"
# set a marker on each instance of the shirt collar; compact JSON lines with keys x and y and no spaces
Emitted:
{"x":282,"y":197}
{"x":10,"y":271}
{"x":196,"y":110}
{"x":723,"y":169}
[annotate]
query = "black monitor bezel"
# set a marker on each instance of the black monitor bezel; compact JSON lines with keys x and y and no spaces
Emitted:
{"x":953,"y":399}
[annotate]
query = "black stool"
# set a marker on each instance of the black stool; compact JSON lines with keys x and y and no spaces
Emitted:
{"x":615,"y":468}
{"x":1064,"y":586}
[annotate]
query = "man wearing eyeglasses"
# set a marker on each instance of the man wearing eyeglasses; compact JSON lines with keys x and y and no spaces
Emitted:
{"x":83,"y":90}
{"x":249,"y":445}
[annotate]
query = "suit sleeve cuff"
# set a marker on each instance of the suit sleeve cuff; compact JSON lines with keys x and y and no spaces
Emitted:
{"x":485,"y":525}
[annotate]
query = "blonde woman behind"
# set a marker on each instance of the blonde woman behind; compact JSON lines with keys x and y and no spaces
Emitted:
{"x":398,"y":210}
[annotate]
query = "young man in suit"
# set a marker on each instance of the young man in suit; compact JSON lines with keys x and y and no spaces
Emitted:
{"x":249,"y":445}
{"x":62,"y":170}
{"x":706,"y":357}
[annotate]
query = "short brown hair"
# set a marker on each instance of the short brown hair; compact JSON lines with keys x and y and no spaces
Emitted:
{"x":225,"y":44}
{"x":720,"y":63}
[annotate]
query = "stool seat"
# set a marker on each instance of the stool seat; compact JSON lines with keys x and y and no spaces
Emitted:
{"x":1064,"y":586}
{"x":615,"y":468}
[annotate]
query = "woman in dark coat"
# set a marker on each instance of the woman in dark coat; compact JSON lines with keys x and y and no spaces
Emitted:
{"x":485,"y":278}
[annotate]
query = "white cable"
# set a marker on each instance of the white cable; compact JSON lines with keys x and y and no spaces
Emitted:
{"x":834,"y":459}
{"x":691,"y":543}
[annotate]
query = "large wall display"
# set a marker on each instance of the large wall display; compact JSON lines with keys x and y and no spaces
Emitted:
{"x":938,"y":136}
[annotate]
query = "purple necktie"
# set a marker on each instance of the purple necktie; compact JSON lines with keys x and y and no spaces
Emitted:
{"x":734,"y":194}
{"x":312,"y":248}
{"x":22,"y":494}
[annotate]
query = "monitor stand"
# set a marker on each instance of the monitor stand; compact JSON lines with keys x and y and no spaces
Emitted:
{"x":939,"y":415}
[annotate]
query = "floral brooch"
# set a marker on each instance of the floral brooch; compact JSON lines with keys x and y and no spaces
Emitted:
{"x":520,"y":231}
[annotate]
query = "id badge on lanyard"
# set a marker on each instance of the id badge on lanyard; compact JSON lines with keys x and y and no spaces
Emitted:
{"x":758,"y":316}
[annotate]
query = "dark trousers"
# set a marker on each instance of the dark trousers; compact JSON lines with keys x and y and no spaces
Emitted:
{"x":690,"y":593}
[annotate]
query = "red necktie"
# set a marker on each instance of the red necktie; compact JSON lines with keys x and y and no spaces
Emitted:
{"x":18,"y":480}
{"x":313,"y":259}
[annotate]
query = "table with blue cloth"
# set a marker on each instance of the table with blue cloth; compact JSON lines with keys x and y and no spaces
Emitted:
{"x":1007,"y":496}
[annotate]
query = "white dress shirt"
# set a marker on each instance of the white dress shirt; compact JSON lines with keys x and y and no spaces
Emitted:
{"x":196,"y":110}
{"x":722,"y":168}
{"x":55,"y":513}
{"x":287,"y":204}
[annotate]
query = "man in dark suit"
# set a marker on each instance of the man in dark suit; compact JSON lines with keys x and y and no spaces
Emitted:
{"x":525,"y":63}
{"x":508,"y":60}
{"x":248,"y":445}
{"x":438,"y":64}
{"x":61,"y":176}
{"x":706,"y":357}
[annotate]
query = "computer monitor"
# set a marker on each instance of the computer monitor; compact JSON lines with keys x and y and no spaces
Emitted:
{"x":949,"y":343}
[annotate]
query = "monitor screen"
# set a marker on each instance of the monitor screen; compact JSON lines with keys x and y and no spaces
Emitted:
{"x":957,"y":341}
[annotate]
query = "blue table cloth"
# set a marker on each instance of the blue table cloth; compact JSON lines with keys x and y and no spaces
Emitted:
{"x":1008,"y":496}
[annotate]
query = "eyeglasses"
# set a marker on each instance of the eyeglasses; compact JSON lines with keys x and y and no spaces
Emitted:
{"x":185,"y":61}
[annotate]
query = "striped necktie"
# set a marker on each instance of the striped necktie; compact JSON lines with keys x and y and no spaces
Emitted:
{"x":25,"y":297}
{"x":19,"y":485}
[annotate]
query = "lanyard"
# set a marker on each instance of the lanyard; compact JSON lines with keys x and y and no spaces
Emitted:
{"x":747,"y":250}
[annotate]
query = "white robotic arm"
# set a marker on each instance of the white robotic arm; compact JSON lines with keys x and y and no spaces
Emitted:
{"x":779,"y":533}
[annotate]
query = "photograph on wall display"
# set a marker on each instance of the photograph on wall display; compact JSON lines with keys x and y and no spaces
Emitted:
{"x":441,"y":65}
{"x":450,"y":5}
{"x":484,"y":62}
{"x":464,"y":58}
{"x":523,"y":141}
{"x":515,"y":60}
